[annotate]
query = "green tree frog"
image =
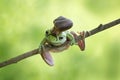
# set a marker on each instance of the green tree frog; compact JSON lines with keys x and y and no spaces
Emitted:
{"x":58,"y":36}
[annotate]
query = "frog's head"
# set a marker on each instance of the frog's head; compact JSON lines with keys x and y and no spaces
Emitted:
{"x":61,"y":24}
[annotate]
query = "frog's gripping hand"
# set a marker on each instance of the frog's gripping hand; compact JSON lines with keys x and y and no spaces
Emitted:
{"x":81,"y":42}
{"x":45,"y":49}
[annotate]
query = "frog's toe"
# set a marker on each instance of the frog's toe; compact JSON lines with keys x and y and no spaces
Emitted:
{"x":47,"y":58}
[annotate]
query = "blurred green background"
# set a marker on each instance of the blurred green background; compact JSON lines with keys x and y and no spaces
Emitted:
{"x":22,"y":27}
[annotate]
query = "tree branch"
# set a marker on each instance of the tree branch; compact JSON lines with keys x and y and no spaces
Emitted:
{"x":103,"y":27}
{"x":36,"y":51}
{"x":19,"y":58}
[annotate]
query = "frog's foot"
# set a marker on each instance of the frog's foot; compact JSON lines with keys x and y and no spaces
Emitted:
{"x":47,"y":57}
{"x":81,"y":42}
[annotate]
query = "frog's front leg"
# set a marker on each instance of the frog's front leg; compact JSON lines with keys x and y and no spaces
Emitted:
{"x":46,"y":55}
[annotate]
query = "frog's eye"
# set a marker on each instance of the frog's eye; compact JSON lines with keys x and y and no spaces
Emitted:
{"x":60,"y":38}
{"x":47,"y":32}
